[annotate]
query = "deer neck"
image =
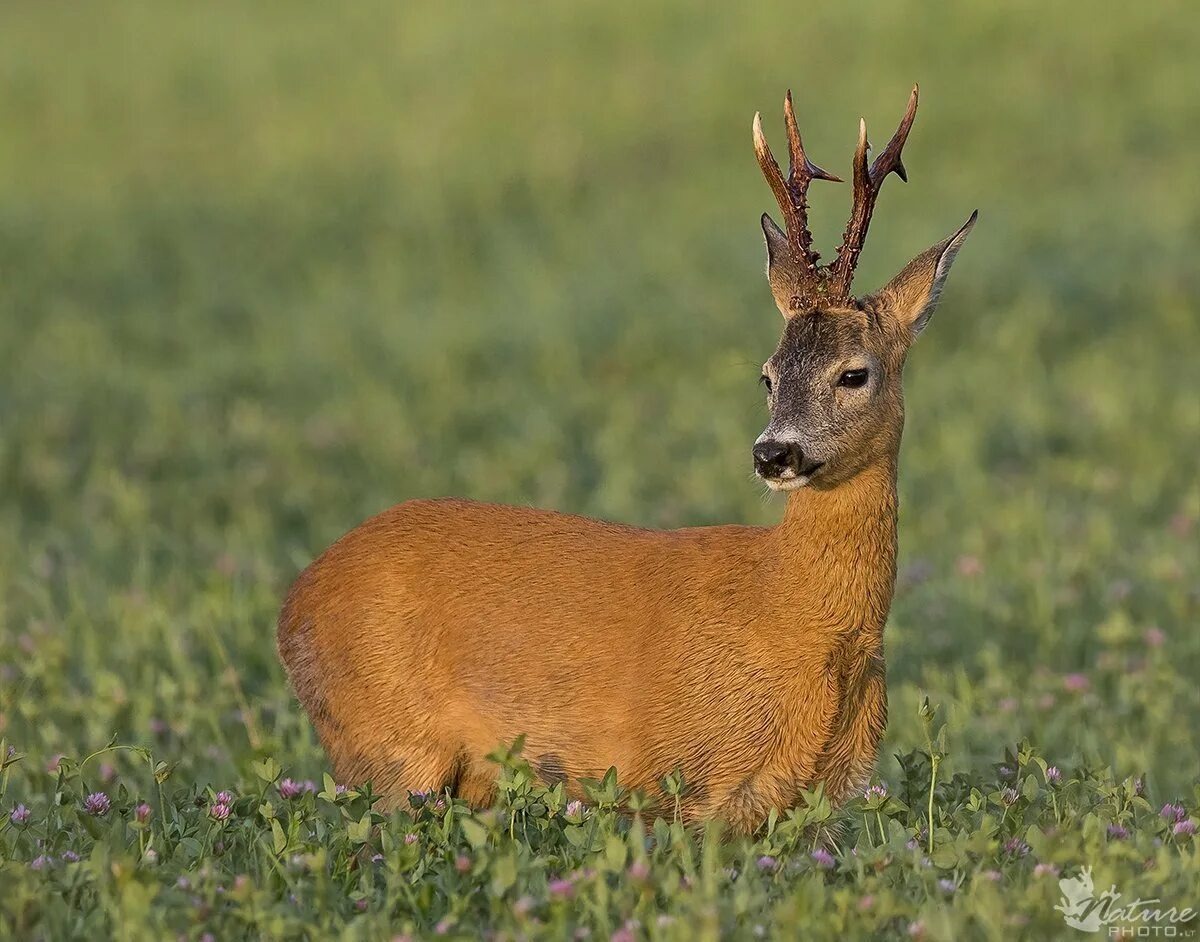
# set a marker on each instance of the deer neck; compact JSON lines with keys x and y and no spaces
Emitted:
{"x":836,"y":554}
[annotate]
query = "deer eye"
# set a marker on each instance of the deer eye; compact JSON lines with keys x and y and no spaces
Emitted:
{"x":766,"y":381}
{"x":853,"y":379}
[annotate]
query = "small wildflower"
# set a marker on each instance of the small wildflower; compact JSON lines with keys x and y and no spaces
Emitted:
{"x":992,"y":876}
{"x":69,"y":856}
{"x":309,"y":787}
{"x":639,"y":869}
{"x":1139,"y":787}
{"x":151,"y":856}
{"x":822,"y":858}
{"x":443,"y":926}
{"x":575,"y":808}
{"x":1009,"y":796}
{"x":377,"y":858}
{"x":360,"y":905}
{"x":1045,"y":870}
{"x":522,"y":905}
{"x":1053,"y":775}
{"x":41,"y":862}
{"x":865,"y":903}
{"x":916,"y":930}
{"x":142,"y":813}
{"x":52,"y":765}
{"x":218,"y":811}
{"x":768,"y":864}
{"x":1015,"y":847}
{"x":1185,"y":828}
{"x":289,"y":789}
{"x":223,"y":798}
{"x":1154,"y":637}
{"x":879,"y":791}
{"x":1006,"y":772}
{"x":1076,"y":682}
{"x":97,"y":804}
{"x":947,"y":886}
{"x":624,"y":934}
{"x":560,"y":888}
{"x":1117,"y":832}
{"x":340,"y":789}
{"x":20,"y":814}
{"x":411,"y":838}
{"x":969,"y":565}
{"x":1173,"y":811}
{"x":462,"y":863}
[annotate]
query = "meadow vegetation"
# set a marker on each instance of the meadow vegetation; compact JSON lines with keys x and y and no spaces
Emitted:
{"x":267,"y":269}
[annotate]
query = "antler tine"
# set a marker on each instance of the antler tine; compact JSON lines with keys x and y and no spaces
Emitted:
{"x":867,"y":183}
{"x":889,"y":161}
{"x":862,"y":176}
{"x":770,"y":170}
{"x":792,"y":193}
{"x":774,"y":175}
{"x":801,"y":172}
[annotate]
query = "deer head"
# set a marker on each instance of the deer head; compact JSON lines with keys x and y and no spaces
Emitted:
{"x":834,"y":382}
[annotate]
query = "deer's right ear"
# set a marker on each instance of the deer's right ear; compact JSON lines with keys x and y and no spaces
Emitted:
{"x":777,"y":243}
{"x":912,"y":295}
{"x":783,"y":273}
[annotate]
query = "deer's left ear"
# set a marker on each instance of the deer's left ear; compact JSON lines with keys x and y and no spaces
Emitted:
{"x":912,"y":295}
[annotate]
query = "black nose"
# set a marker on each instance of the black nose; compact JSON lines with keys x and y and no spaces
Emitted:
{"x":772,"y":458}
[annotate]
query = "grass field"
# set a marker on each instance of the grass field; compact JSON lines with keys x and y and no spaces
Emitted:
{"x":267,"y":269}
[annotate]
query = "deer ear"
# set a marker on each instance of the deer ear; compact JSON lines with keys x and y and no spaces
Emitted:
{"x":912,"y":295}
{"x":777,"y":243}
{"x":783,"y":273}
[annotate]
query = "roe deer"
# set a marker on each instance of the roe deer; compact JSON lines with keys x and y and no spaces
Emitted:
{"x":749,"y":658}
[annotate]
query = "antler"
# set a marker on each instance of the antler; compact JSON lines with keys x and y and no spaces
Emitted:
{"x":867,"y":184}
{"x":791,"y":193}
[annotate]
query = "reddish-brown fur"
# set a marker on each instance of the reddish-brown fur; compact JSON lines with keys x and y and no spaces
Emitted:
{"x":434,"y":631}
{"x":749,"y":658}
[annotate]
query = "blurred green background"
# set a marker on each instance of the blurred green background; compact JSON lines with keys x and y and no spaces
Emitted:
{"x":267,"y":269}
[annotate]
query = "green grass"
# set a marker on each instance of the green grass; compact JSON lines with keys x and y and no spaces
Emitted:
{"x":268,"y":269}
